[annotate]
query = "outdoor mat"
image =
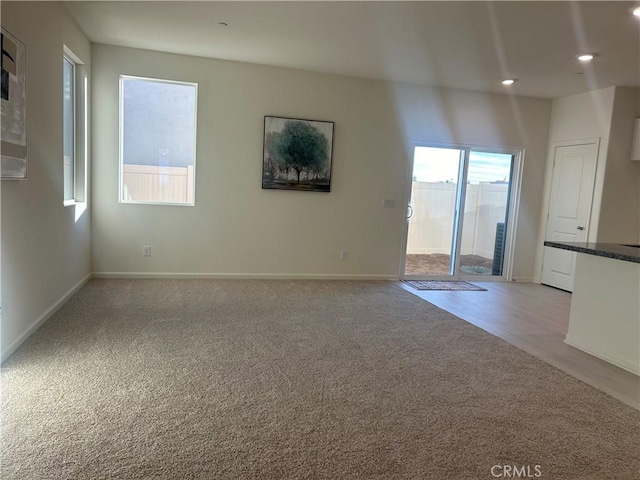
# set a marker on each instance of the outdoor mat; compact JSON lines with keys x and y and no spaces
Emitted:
{"x":442,"y":285}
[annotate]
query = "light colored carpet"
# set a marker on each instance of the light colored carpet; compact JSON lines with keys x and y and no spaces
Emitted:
{"x":240,"y":379}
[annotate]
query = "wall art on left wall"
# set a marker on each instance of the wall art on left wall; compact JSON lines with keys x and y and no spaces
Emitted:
{"x":13,"y":138}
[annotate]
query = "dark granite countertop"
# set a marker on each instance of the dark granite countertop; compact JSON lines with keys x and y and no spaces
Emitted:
{"x":609,"y":250}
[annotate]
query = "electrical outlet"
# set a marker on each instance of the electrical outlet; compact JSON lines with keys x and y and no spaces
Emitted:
{"x":146,"y":251}
{"x":344,"y":255}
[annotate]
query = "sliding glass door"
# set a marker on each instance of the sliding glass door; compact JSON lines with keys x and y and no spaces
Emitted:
{"x":459,"y":211}
{"x":432,"y":211}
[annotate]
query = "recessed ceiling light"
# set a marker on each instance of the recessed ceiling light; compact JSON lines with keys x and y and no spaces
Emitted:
{"x":509,"y":81}
{"x":636,"y":11}
{"x":586,"y":57}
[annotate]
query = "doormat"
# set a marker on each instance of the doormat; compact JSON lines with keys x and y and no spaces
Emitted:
{"x":442,"y":285}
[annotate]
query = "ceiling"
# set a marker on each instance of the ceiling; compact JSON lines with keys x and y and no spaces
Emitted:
{"x":467,"y":45}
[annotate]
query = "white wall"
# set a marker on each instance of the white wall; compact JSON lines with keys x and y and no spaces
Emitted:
{"x":620,"y":205}
{"x":238,"y":228}
{"x":606,"y":114}
{"x":45,"y":249}
{"x":583,"y":116}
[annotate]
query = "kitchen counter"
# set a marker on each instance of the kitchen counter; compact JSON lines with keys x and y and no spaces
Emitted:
{"x":616,"y":251}
{"x":605,"y":304}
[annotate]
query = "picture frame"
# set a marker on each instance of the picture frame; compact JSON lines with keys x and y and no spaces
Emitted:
{"x":297,"y":154}
{"x":13,"y":136}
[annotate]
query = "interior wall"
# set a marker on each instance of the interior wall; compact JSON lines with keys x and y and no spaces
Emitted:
{"x":620,"y":206}
{"x":45,"y":246}
{"x":238,"y":228}
{"x":577,"y":117}
{"x":449,"y":116}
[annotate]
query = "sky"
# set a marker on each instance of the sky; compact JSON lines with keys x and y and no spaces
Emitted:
{"x":441,"y":165}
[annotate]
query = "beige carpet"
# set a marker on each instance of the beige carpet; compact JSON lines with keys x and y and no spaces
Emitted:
{"x":239,"y":379}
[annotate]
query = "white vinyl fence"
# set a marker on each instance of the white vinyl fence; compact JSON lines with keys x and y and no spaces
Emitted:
{"x":148,"y":183}
{"x":431,"y":226}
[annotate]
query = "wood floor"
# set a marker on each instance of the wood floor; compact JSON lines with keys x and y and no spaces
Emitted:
{"x":535,"y":318}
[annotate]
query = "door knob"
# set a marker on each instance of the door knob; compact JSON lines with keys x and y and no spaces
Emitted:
{"x":409,"y":211}
{"x":580,"y":227}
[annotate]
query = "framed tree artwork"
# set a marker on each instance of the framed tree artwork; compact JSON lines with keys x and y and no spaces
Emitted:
{"x":297,"y":154}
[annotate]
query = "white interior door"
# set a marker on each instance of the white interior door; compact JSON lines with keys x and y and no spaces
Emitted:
{"x":574,"y":171}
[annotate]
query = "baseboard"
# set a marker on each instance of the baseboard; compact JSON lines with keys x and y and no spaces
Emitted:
{"x":522,"y":279}
{"x":42,"y":318}
{"x":244,"y":276}
{"x":603,"y":355}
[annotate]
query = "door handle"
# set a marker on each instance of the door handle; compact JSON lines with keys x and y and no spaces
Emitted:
{"x":409,"y":212}
{"x":580,"y":227}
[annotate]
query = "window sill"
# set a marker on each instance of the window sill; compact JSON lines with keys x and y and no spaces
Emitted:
{"x":71,"y":203}
{"x":140,"y":202}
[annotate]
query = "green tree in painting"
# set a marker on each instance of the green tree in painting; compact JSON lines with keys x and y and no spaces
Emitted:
{"x":301,"y":146}
{"x":271,"y":140}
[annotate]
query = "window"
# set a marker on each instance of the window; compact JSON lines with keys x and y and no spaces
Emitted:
{"x":69,"y":128}
{"x":157,"y":141}
{"x":74,"y":128}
